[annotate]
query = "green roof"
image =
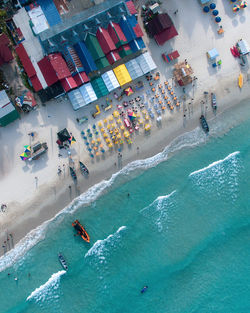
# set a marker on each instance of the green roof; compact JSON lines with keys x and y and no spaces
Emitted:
{"x":99,"y":87}
{"x":124,"y":52}
{"x":101,"y":63}
{"x":94,"y":47}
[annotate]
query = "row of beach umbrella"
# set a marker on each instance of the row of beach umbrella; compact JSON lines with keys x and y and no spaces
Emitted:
{"x":215,"y":12}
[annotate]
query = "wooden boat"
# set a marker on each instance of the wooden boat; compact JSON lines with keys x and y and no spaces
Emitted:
{"x":72,"y":173}
{"x":213,"y":100}
{"x":204,"y":124}
{"x":83,"y":168}
{"x":240,"y":80}
{"x":80,"y":230}
{"x":62,"y":261}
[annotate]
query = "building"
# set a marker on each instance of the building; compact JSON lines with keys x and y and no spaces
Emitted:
{"x":8,"y":113}
{"x":5,"y":52}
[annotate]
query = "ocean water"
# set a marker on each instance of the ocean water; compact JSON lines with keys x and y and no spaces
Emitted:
{"x":183,"y":231}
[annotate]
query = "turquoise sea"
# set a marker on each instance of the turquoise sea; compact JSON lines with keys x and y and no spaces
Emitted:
{"x":184,"y":231}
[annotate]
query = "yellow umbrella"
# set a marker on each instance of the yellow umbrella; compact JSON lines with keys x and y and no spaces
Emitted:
{"x":108,"y":140}
{"x":122,"y":127}
{"x":109,"y":126}
{"x":116,"y":114}
{"x":102,"y":130}
{"x":113,"y":125}
{"x":140,"y":121}
{"x":118,"y":136}
{"x":147,"y":127}
{"x":119,"y":121}
{"x":105,"y":135}
{"x":147,"y":117}
{"x":126,"y":134}
{"x":110,"y":145}
{"x":110,"y":118}
{"x":105,"y":121}
{"x":99,"y":124}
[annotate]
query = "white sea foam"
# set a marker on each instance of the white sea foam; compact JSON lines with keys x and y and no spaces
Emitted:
{"x":101,"y":248}
{"x":46,"y":290}
{"x":190,"y":139}
{"x":230,"y":156}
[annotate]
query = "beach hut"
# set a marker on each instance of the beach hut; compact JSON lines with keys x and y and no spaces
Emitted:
{"x":110,"y":80}
{"x":212,"y":54}
{"x":76,"y":99}
{"x":122,"y":74}
{"x":134,"y":69}
{"x":99,"y":87}
{"x":183,"y":73}
{"x":8,"y":113}
{"x":88,"y":93}
{"x":146,"y":62}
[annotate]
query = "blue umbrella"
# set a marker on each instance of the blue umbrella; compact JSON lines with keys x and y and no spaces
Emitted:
{"x":233,"y":0}
{"x":87,"y":143}
{"x":206,"y":9}
{"x":215,"y":12}
{"x":89,"y":149}
{"x":217,"y":19}
{"x":212,"y":6}
{"x":94,"y":127}
{"x":84,"y":137}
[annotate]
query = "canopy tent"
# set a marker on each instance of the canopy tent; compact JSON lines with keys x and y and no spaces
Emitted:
{"x":63,"y":135}
{"x":243,"y":47}
{"x":68,"y":83}
{"x":146,"y":62}
{"x":204,"y":1}
{"x":134,"y":69}
{"x":137,"y":44}
{"x":110,"y":80}
{"x":99,"y":87}
{"x":212,"y":54}
{"x":76,"y":99}
{"x":122,"y":74}
{"x":102,"y":62}
{"x":88,"y":93}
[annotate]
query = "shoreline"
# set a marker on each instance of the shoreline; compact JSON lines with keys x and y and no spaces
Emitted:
{"x":31,"y":202}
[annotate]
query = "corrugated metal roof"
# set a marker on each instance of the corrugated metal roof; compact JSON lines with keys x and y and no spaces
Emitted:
{"x":134,"y":69}
{"x":146,"y":62}
{"x":122,"y":74}
{"x":113,"y":56}
{"x":85,"y":57}
{"x":159,"y":23}
{"x":136,"y":27}
{"x":131,"y":7}
{"x":36,"y":83}
{"x":165,"y":35}
{"x":110,"y":80}
{"x":4,"y":99}
{"x":116,"y":34}
{"x":59,"y":65}
{"x":76,"y":99}
{"x":73,"y":62}
{"x":127,"y":28}
{"x":105,"y":40}
{"x":124,"y":51}
{"x":48,"y":71}
{"x":50,"y":11}
{"x":137,"y":44}
{"x":25,"y":60}
{"x":94,"y":47}
{"x":101,"y":63}
{"x":88,"y":93}
{"x":99,"y":87}
{"x":81,"y":78}
{"x":5,"y":52}
{"x":68,"y":83}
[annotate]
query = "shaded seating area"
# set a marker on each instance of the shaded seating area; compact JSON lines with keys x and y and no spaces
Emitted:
{"x":183,"y":73}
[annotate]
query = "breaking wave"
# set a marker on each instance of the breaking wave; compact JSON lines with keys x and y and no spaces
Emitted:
{"x":47,"y":290}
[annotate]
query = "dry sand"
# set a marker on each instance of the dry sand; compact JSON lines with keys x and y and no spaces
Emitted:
{"x":30,"y":201}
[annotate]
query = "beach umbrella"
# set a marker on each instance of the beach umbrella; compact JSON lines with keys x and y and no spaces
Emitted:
{"x":71,"y":140}
{"x":89,"y":149}
{"x":131,"y":116}
{"x":215,"y":12}
{"x":212,"y":6}
{"x":217,"y":19}
{"x":206,"y":10}
{"x":99,"y":124}
{"x":94,"y":126}
{"x":116,"y":114}
{"x":27,"y":148}
{"x":24,"y":156}
{"x":236,"y":8}
{"x":147,"y":127}
{"x":129,"y":91}
{"x":243,"y":4}
{"x":233,"y":0}
{"x":126,"y":134}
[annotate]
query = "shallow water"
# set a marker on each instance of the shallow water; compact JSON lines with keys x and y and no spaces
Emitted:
{"x":183,"y":231}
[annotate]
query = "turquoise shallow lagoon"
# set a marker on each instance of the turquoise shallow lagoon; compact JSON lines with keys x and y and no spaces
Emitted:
{"x":183,"y":231}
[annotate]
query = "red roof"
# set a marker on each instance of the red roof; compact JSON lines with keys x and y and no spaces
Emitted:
{"x":116,"y":33}
{"x":25,"y":60}
{"x":113,"y":56}
{"x":5,"y":52}
{"x":68,"y":83}
{"x":105,"y":40}
{"x":164,"y":36}
{"x":138,"y":31}
{"x":131,"y":7}
{"x":59,"y":65}
{"x":48,"y":71}
{"x":36,"y":83}
{"x":81,"y":78}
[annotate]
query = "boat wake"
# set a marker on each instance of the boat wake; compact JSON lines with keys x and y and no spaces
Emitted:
{"x":157,"y":211}
{"x":187,"y":140}
{"x":47,"y":290}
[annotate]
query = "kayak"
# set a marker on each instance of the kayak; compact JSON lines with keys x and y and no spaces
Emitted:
{"x":83,"y":168}
{"x":240,"y":80}
{"x":81,"y":231}
{"x":213,"y":98}
{"x":73,"y":173}
{"x":144,"y":289}
{"x":62,"y":261}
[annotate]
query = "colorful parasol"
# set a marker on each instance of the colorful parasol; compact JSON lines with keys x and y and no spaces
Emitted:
{"x":129,"y":91}
{"x":27,"y":148}
{"x":131,"y":116}
{"x":236,"y":8}
{"x":71,"y":140}
{"x":243,"y":4}
{"x":24,"y":156}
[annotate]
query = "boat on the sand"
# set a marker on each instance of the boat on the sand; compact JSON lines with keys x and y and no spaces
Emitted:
{"x":83,"y":168}
{"x":81,"y":231}
{"x":72,"y":173}
{"x":204,"y":124}
{"x":62,"y":261}
{"x":240,"y":80}
{"x":213,"y":100}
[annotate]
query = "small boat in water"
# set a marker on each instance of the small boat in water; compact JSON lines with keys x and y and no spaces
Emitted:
{"x":213,"y":99}
{"x":62,"y":261}
{"x":72,"y":173}
{"x":204,"y":124}
{"x":83,"y":168}
{"x":81,"y":231}
{"x":144,"y":289}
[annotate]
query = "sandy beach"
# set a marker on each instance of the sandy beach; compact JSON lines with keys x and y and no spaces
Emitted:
{"x":31,"y":201}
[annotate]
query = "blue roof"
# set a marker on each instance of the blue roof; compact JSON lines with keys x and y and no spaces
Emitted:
{"x":85,"y":57}
{"x":50,"y":11}
{"x":137,"y":44}
{"x":127,"y":28}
